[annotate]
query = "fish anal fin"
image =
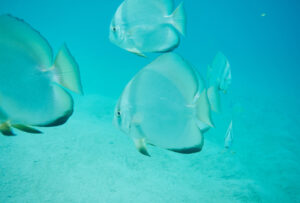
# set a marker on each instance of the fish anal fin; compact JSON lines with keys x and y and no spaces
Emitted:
{"x":6,"y":130}
{"x":59,"y":121}
{"x":67,"y":71}
{"x":190,"y":150}
{"x":27,"y":129}
{"x":64,"y":107}
{"x":192,"y":140}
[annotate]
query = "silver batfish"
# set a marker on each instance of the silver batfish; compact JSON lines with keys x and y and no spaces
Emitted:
{"x":32,"y":85}
{"x":219,"y":79}
{"x":141,"y":26}
{"x":166,"y":105}
{"x":228,"y":137}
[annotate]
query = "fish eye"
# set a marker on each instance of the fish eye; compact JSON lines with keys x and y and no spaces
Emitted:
{"x":118,"y":113}
{"x":114,"y":29}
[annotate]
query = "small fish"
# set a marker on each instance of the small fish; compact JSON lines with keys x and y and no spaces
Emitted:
{"x":141,"y":26}
{"x":228,"y":137}
{"x":263,"y":15}
{"x":219,"y":79}
{"x":165,"y":104}
{"x":32,"y":85}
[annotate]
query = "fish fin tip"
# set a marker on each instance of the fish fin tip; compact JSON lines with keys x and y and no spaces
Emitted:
{"x":192,"y":149}
{"x":65,"y":107}
{"x":59,"y":121}
{"x":26,"y":129}
{"x":67,"y":70}
{"x":194,"y":141}
{"x":137,"y":52}
{"x":140,"y":144}
{"x":179,"y":19}
{"x":141,"y":55}
{"x":6,"y":129}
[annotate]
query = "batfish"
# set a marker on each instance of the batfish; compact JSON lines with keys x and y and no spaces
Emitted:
{"x":33,"y":85}
{"x":140,"y":26}
{"x":219,"y":79}
{"x":165,"y":104}
{"x":228,"y":137}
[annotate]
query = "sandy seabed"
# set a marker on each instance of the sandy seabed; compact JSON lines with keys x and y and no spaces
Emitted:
{"x":89,"y":160}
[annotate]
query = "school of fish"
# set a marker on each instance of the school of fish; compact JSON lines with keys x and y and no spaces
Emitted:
{"x":167,"y":104}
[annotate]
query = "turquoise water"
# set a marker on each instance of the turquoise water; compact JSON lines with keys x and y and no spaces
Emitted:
{"x":89,"y":160}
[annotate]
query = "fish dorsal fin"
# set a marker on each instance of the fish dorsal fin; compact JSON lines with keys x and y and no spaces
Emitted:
{"x":165,"y":5}
{"x":156,"y":7}
{"x":180,"y":73}
{"x":19,"y":35}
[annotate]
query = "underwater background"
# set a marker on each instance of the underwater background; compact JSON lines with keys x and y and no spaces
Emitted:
{"x":89,"y":160}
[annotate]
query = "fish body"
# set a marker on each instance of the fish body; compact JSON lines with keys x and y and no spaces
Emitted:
{"x":31,"y":92}
{"x":263,"y":14}
{"x":141,"y":26}
{"x":163,"y":105}
{"x":219,"y":73}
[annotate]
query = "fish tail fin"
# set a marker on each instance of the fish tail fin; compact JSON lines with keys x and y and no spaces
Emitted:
{"x":179,"y":19}
{"x":203,"y":112}
{"x":213,"y":95}
{"x":67,"y":71}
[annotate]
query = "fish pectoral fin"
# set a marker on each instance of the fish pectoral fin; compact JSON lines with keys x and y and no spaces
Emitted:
{"x":136,"y":51}
{"x":139,"y":139}
{"x":140,"y":144}
{"x":67,"y":71}
{"x":6,"y":130}
{"x":26,"y":129}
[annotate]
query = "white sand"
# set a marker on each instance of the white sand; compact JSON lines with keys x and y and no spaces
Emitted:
{"x":89,"y":160}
